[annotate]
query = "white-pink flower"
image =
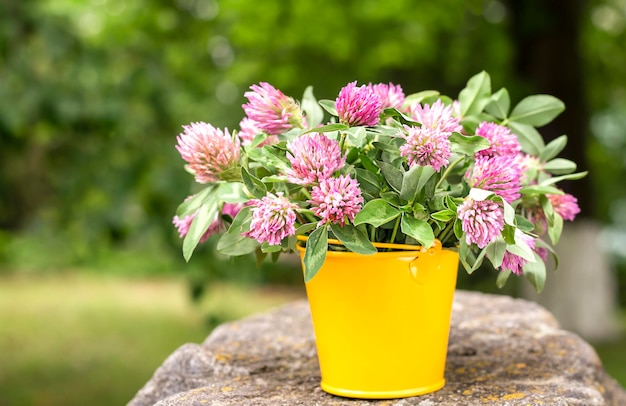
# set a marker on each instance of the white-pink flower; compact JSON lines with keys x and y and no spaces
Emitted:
{"x":503,"y":142}
{"x":481,"y":220}
{"x":564,"y":205}
{"x":336,"y":200}
{"x":515,"y":263}
{"x":210,"y":152}
{"x":391,"y":96}
{"x":273,"y":218}
{"x":500,"y":175}
{"x":248,"y":131}
{"x":436,"y":116}
{"x":529,"y":166}
{"x":358,"y":106}
{"x":425,"y":147}
{"x":271,"y":110}
{"x":313,"y":157}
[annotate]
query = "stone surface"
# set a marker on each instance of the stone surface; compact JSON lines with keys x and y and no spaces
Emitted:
{"x":502,"y":351}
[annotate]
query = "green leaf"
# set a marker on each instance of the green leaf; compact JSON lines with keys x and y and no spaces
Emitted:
{"x":523,"y":224}
{"x":479,"y":261}
{"x":560,"y":166}
{"x":357,"y":136}
{"x":528,"y":137}
{"x":368,"y":164}
{"x":540,"y":189}
{"x":537,"y":110}
{"x":267,"y":248}
{"x":476,"y":94}
{"x":233,"y":242}
{"x":368,"y":181}
{"x":315,"y":252}
{"x":467,"y":145}
{"x":464,"y":254}
{"x":503,"y":276}
{"x":305,"y":228}
{"x":417,"y":229}
{"x":418,"y":97}
{"x":458,"y":229}
{"x":555,"y":230}
{"x":535,"y":272}
{"x":443,"y":215}
{"x":509,"y":211}
{"x":386,"y":147}
{"x":329,"y":106}
{"x":557,"y":179}
{"x":548,"y":209}
{"x":450,"y":203}
{"x":500,"y":104}
{"x":189,"y":206}
{"x":327,"y":128}
{"x":205,"y":215}
{"x":414,"y":180}
{"x":232,"y":192}
{"x":392,"y":175}
{"x":353,"y":239}
{"x":553,"y":148}
{"x":393,"y":199}
{"x":398,"y":115}
{"x":253,"y":184}
{"x":376,"y":212}
{"x":508,"y":233}
{"x":270,"y":156}
{"x":314,"y":113}
{"x":539,"y":243}
{"x":495,"y":252}
{"x":521,"y":249}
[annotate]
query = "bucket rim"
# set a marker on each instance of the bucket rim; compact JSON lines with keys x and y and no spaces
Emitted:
{"x":402,"y":249}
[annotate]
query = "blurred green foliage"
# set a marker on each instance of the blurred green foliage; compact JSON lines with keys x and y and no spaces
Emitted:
{"x":93,"y":94}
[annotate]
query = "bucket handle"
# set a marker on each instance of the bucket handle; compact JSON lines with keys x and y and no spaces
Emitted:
{"x":399,"y":247}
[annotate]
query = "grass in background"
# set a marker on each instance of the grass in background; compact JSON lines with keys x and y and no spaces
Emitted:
{"x":613,"y":354}
{"x":80,"y":339}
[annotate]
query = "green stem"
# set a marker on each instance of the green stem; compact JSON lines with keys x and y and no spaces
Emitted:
{"x":306,"y":193}
{"x":446,"y":232}
{"x":395,"y":230}
{"x":448,"y":170}
{"x":308,"y":214}
{"x":342,"y":142}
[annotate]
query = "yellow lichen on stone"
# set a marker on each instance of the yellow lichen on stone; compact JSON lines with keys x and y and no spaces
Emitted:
{"x":512,"y":396}
{"x":490,"y":399}
{"x":226,"y":389}
{"x":222,"y":357}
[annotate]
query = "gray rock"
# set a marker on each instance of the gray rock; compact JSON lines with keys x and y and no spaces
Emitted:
{"x":502,"y":351}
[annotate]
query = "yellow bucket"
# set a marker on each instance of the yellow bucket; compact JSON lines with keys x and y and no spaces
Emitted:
{"x":382,"y":321}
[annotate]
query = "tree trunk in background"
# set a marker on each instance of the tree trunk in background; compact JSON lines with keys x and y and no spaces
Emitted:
{"x":546,"y":39}
{"x":546,"y":35}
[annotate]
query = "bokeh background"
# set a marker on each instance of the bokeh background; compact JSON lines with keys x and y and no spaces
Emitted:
{"x":94,"y":293}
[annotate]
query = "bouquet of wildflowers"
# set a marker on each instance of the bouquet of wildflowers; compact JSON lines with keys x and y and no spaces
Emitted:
{"x":376,"y":165}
